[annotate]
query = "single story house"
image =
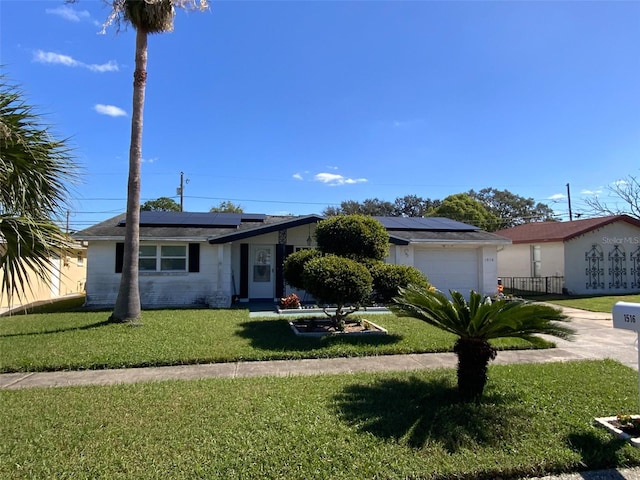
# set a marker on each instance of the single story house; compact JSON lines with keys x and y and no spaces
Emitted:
{"x":214,"y":258}
{"x":594,"y":255}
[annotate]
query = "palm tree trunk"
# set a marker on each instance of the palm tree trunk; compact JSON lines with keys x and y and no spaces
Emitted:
{"x":127,"y":307}
{"x":474,"y":355}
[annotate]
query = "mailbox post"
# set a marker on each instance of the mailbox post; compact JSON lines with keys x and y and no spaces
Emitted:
{"x":626,"y":315}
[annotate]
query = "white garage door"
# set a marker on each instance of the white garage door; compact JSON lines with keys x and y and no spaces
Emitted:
{"x":449,"y":269}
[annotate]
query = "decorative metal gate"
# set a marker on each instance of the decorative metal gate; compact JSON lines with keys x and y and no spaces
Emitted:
{"x":617,"y":268}
{"x":635,"y":268}
{"x":594,"y":270}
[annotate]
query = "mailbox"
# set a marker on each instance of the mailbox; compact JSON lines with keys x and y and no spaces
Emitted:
{"x":626,"y":315}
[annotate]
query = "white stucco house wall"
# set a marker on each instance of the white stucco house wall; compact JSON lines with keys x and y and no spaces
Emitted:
{"x":595,"y":255}
{"x":216,"y":258}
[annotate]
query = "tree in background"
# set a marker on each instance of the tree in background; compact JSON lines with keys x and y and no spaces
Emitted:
{"x":627,"y":190}
{"x":463,"y":208}
{"x":36,"y":171}
{"x":370,"y":206}
{"x":475,"y":322}
{"x":227,"y":207}
{"x":414,"y":206}
{"x":511,"y":209}
{"x":146,"y":17}
{"x":161,"y":204}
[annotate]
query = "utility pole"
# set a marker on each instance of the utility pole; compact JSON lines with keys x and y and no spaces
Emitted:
{"x":180,"y":190}
{"x":569,"y":198}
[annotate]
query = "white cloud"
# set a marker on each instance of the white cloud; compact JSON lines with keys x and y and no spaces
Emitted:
{"x":591,"y":192}
{"x":69,"y":13}
{"x":55,"y":58}
{"x":110,"y":110}
{"x":334,"y":179}
{"x":150,"y":160}
{"x":298,"y":176}
{"x":620,"y":183}
{"x":41,"y":56}
{"x":557,"y":196}
{"x":110,"y":66}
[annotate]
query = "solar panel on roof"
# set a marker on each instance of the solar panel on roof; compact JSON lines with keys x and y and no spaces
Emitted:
{"x":190,"y":219}
{"x":424,"y":223}
{"x":253,"y":217}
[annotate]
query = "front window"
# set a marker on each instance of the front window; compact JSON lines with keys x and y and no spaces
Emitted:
{"x":163,"y":258}
{"x":148,"y":258}
{"x":173,"y":258}
{"x":536,"y":261}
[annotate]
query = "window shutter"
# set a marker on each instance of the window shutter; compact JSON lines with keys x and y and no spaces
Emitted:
{"x":194,"y":257}
{"x":119,"y":256}
{"x":244,"y":270}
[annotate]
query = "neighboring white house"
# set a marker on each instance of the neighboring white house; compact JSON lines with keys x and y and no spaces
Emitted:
{"x":594,"y":255}
{"x":213,"y":258}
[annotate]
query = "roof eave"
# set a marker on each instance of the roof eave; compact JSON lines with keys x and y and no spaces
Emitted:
{"x":506,"y":241}
{"x":119,"y":238}
{"x":264,"y":229}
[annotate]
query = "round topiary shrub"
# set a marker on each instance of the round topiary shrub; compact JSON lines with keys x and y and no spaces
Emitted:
{"x":338,"y":281}
{"x":294,"y":266}
{"x":388,"y":278}
{"x":353,"y":236}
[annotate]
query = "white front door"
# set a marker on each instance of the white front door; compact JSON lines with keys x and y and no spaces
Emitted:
{"x":261,"y":271}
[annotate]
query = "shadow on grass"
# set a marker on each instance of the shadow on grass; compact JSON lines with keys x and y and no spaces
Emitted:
{"x":421,"y":413}
{"x":277,"y":335}
{"x":90,"y":326}
{"x":56,"y":305}
{"x":597,"y":453}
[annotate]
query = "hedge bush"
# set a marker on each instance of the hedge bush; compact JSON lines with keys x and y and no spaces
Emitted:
{"x":353,"y":236}
{"x":388,"y":278}
{"x":294,"y":266}
{"x":338,"y":281}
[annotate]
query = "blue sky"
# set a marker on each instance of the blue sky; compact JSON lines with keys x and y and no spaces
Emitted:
{"x":286,"y":107}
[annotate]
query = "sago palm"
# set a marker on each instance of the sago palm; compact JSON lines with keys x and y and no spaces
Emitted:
{"x":36,"y":171}
{"x":146,"y":16}
{"x":475,"y":322}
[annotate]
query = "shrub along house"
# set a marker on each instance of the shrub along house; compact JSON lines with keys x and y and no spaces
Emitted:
{"x":595,"y":255}
{"x":213,"y":258}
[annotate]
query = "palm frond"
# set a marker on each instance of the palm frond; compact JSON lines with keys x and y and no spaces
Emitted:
{"x":476,"y":318}
{"x":27,"y":248}
{"x":36,"y":170}
{"x":150,"y":16}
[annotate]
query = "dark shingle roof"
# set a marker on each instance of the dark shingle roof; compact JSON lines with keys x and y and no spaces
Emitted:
{"x":560,"y":231}
{"x":431,"y":224}
{"x":219,"y":228}
{"x":184,"y":225}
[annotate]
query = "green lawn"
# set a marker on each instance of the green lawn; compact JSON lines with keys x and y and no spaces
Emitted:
{"x":535,"y":420}
{"x":85,"y":340}
{"x":603,"y":303}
